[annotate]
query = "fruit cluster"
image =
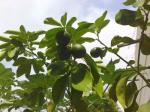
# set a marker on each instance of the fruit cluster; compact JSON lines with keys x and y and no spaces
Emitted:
{"x":65,"y":49}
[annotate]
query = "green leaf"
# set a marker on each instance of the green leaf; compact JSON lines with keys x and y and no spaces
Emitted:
{"x":71,"y":21}
{"x":148,"y":24}
{"x":125,"y":17}
{"x":6,"y":77}
{"x":118,"y":39}
{"x":50,"y":34}
{"x":94,"y":69}
{"x":22,"y":29}
{"x":113,"y":50}
{"x":13,"y":32}
{"x":64,"y":19}
{"x":84,"y":27}
{"x":2,"y":54}
{"x":4,"y":45}
{"x":12,"y":52}
{"x":139,"y":3}
{"x":120,"y":90}
{"x":59,"y":88}
{"x":112,"y":92}
{"x":36,"y":81}
{"x":86,"y":84}
{"x":4,"y":39}
{"x":144,"y":107}
{"x":77,"y":101}
{"x":24,"y":66}
{"x":51,"y":21}
{"x":99,"y":88}
{"x":19,"y":61}
{"x":145,"y":47}
{"x":129,"y":2}
{"x":101,"y":22}
{"x":58,"y":68}
{"x":38,"y":65}
{"x":130,"y":93}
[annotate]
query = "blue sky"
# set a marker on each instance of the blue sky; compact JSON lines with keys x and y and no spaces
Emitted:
{"x":31,"y":13}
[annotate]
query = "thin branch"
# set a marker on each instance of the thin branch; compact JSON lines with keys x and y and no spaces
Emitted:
{"x":125,"y":61}
{"x":127,"y":44}
{"x":141,"y":40}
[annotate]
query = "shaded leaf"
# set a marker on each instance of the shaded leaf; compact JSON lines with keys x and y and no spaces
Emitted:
{"x":94,"y":69}
{"x":51,"y":21}
{"x":64,"y":19}
{"x":59,"y":88}
{"x":118,"y":39}
{"x":129,"y":2}
{"x":145,"y":47}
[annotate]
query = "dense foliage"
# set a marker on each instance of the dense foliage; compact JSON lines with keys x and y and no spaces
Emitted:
{"x":54,"y":72}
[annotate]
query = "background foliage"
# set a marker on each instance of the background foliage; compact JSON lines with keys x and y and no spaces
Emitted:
{"x":57,"y":74}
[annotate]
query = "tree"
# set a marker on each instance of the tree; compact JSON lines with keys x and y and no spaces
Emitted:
{"x":55,"y":78}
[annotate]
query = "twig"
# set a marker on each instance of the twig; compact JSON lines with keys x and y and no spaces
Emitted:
{"x":125,"y":61}
{"x":127,"y":44}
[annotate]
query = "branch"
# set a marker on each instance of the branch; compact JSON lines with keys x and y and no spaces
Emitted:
{"x":127,"y":44}
{"x":141,"y":40}
{"x":124,"y":61}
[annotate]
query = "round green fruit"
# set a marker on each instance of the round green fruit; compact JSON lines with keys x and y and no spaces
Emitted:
{"x":96,"y":52}
{"x":62,"y":38}
{"x":78,"y":51}
{"x":63,"y":52}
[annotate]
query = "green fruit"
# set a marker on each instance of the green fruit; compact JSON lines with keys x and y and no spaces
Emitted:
{"x":62,"y":38}
{"x":16,"y":43}
{"x":78,"y":51}
{"x":96,"y":52}
{"x":63,"y":52}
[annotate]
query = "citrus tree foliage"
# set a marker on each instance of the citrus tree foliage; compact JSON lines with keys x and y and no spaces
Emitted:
{"x":54,"y":72}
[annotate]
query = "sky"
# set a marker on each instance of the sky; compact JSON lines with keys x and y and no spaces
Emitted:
{"x":31,"y":14}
